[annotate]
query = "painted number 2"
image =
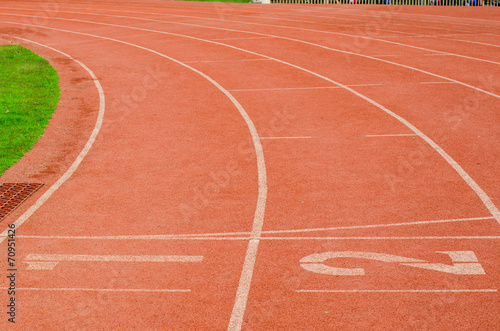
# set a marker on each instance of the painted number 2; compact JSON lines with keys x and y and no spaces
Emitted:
{"x":464,"y":263}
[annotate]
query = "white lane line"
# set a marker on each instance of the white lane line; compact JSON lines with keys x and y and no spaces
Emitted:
{"x":24,"y":217}
{"x":451,"y":35}
{"x":332,"y":87}
{"x":305,"y":137}
{"x":472,"y":42}
{"x":222,"y":234}
{"x":398,"y":55}
{"x":245,"y":280}
{"x":371,"y":226}
{"x":116,"y":258}
{"x":418,"y":36}
{"x":402,"y":291}
{"x":236,"y":320}
{"x":436,"y":37}
{"x":231,"y":238}
{"x":390,"y":135}
{"x":242,"y":38}
{"x":423,"y":83}
{"x":215,"y":61}
{"x":96,"y":289}
{"x":435,"y":54}
{"x":381,"y":238}
{"x":284,"y":88}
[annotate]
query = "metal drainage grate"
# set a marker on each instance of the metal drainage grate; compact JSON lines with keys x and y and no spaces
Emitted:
{"x":14,"y":194}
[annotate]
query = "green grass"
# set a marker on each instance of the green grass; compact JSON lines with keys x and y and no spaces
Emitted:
{"x":29,"y":93}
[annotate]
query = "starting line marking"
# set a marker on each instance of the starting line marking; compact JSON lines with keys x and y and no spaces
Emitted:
{"x":402,"y":291}
{"x":98,"y":289}
{"x":118,"y":258}
{"x":50,"y":261}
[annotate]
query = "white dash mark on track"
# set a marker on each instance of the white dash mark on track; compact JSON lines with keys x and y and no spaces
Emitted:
{"x":402,"y":291}
{"x":305,"y":137}
{"x":391,"y":135}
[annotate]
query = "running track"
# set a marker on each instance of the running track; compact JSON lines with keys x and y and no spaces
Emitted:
{"x":222,"y":166}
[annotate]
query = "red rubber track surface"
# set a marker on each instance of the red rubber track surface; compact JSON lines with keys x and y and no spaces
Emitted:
{"x":259,"y":167}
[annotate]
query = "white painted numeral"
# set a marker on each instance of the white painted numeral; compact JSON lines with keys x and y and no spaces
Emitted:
{"x":464,"y":263}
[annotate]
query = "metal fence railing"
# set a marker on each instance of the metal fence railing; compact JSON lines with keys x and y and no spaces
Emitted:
{"x":495,"y":3}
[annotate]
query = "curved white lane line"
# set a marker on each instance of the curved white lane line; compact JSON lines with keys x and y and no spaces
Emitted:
{"x":24,"y":217}
{"x":334,"y":228}
{"x":258,"y":222}
{"x":263,"y":34}
{"x":468,"y":41}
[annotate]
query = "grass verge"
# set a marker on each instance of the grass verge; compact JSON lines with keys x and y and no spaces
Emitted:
{"x":29,"y":93}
